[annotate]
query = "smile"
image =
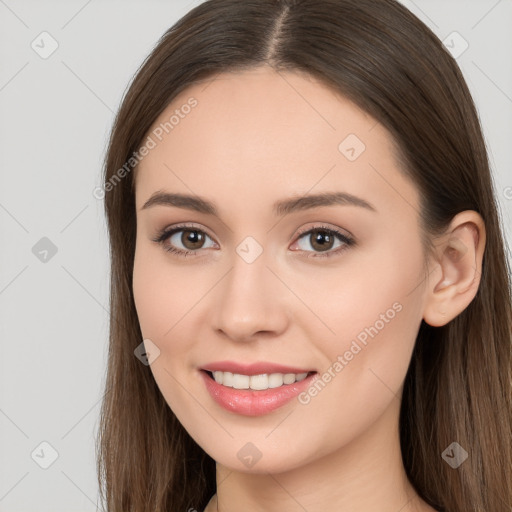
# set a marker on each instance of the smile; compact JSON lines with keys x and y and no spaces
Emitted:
{"x":254,"y":395}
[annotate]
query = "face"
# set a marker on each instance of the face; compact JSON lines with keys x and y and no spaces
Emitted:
{"x":265,"y":281}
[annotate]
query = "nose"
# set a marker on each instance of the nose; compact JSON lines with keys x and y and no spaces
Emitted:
{"x":251,"y":301}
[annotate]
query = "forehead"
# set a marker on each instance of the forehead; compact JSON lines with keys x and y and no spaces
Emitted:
{"x":265,"y":134}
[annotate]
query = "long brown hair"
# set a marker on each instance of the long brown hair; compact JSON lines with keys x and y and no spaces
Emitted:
{"x":458,"y":385}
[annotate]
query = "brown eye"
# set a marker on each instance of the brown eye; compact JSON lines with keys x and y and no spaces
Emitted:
{"x":192,"y":238}
{"x":321,"y":240}
{"x":182,"y":240}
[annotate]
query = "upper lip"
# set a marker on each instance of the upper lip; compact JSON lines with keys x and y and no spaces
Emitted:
{"x":257,"y":368}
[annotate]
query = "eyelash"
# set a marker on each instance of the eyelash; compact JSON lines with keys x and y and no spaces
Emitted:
{"x":165,"y":233}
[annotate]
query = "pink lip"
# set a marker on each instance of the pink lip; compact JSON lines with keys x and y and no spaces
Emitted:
{"x":250,"y":402}
{"x":253,"y":368}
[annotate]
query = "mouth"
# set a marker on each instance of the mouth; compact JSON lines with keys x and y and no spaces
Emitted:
{"x":256,"y":394}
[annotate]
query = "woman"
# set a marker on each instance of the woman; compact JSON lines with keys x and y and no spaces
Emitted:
{"x":310,"y":298}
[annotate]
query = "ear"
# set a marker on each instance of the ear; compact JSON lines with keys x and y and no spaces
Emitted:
{"x":454,"y":280}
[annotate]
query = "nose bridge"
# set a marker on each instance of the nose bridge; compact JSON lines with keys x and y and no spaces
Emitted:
{"x":249,"y":300}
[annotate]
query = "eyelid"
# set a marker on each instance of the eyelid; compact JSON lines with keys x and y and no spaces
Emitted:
{"x":324,"y":226}
{"x":184,"y":226}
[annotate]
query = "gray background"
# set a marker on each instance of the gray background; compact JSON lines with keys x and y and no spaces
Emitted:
{"x":55,"y":115}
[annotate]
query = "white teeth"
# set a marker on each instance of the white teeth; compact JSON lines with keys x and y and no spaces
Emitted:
{"x":241,"y":381}
{"x":226,"y":378}
{"x":275,"y":380}
{"x":257,"y":382}
{"x":289,"y":378}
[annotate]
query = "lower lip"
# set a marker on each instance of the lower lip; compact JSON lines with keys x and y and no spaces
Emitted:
{"x":250,"y":402}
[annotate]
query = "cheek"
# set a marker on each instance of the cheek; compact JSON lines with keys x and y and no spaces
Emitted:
{"x":162,"y":301}
{"x":147,"y":295}
{"x":163,"y":292}
{"x":369,"y":282}
{"x":373,"y":308}
{"x":366,"y":365}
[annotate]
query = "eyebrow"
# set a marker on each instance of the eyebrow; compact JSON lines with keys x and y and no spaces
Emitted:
{"x":280,"y":208}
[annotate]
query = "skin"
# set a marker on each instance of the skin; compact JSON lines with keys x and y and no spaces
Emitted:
{"x":256,"y":137}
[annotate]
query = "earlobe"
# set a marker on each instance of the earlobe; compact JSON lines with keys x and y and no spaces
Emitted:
{"x":455,"y":281}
